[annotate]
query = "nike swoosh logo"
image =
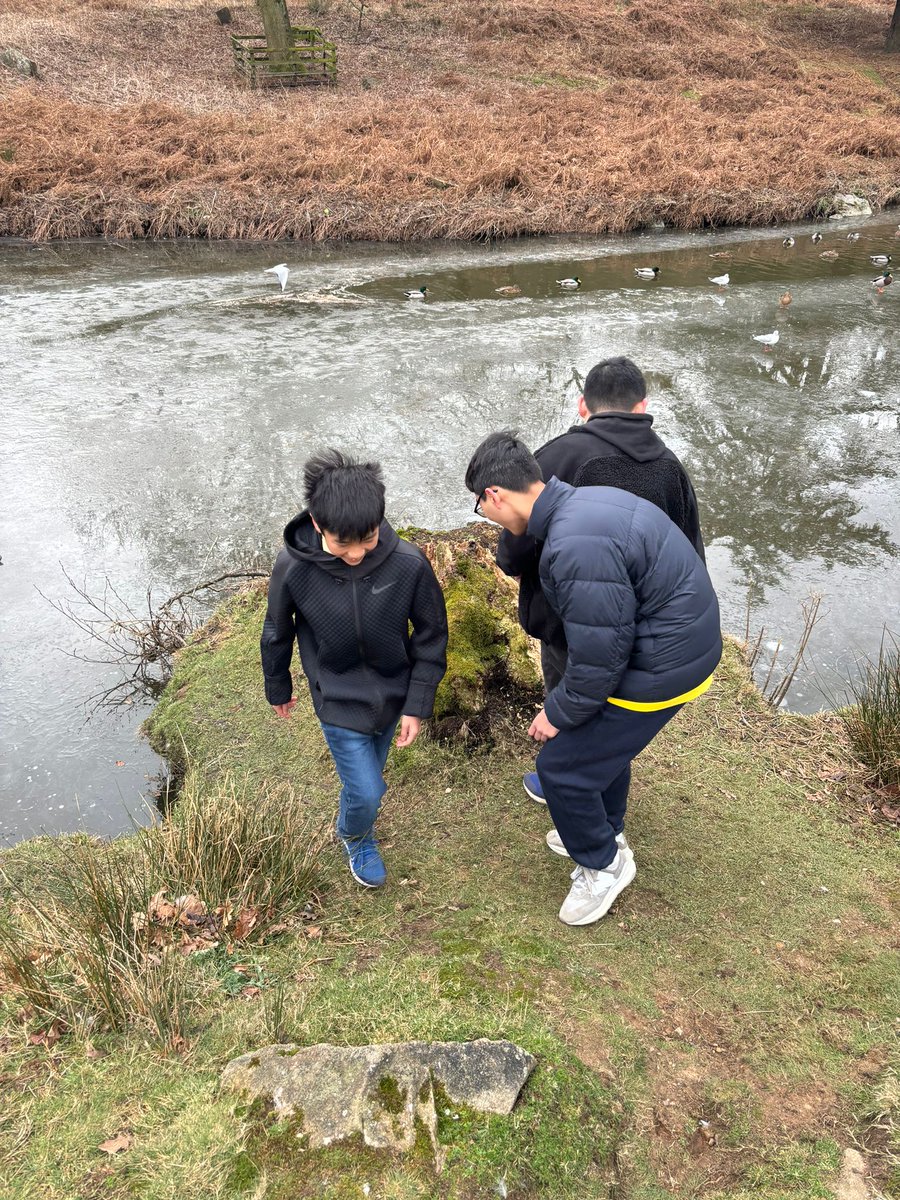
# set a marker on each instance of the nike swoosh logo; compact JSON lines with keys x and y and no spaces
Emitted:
{"x":384,"y":587}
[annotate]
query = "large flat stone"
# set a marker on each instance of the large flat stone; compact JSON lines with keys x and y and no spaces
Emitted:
{"x":383,"y":1091}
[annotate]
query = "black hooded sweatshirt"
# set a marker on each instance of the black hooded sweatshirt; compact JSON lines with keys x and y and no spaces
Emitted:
{"x":612,"y":449}
{"x":364,"y":667}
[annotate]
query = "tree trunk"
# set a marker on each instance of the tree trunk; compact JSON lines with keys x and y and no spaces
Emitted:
{"x":893,"y":37}
{"x":277,"y":25}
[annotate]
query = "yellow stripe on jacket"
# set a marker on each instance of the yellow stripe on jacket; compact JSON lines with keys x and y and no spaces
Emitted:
{"x":654,"y":706}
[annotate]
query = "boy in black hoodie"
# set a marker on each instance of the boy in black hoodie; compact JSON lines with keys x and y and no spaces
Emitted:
{"x":348,"y":588}
{"x":615,"y":447}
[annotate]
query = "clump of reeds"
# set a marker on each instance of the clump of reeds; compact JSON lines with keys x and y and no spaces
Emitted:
{"x":103,"y":939}
{"x":872,"y":716}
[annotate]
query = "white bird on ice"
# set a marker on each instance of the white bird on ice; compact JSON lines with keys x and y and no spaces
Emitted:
{"x":720,"y":280}
{"x":768,"y":340}
{"x":281,"y":271}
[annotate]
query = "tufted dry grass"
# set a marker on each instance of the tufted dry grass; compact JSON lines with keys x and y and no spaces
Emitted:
{"x":461,"y":120}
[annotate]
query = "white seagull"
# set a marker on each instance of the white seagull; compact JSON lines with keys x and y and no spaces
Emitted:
{"x":720,"y":280}
{"x":768,"y":340}
{"x":281,"y":271}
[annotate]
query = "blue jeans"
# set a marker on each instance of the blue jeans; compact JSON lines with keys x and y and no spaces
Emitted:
{"x":360,"y":760}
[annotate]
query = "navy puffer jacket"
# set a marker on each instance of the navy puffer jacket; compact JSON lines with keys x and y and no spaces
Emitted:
{"x":639,"y":610}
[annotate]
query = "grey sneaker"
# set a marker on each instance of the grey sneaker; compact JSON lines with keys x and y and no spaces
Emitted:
{"x":555,"y":842}
{"x":592,"y":892}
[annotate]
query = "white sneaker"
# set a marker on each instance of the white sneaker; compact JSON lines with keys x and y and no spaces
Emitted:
{"x":592,"y":892}
{"x":555,"y":842}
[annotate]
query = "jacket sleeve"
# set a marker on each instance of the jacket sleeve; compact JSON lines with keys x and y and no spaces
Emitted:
{"x":427,"y":645}
{"x":692,"y":529}
{"x":278,"y":635}
{"x":517,"y":554}
{"x":598,"y":610}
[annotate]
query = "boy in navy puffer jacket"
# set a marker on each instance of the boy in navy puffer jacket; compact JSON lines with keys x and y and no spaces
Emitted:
{"x":641,"y":622}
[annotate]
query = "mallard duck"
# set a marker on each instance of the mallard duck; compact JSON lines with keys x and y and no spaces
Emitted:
{"x":721,"y":254}
{"x":788,"y":241}
{"x":572,"y":282}
{"x":882,"y":282}
{"x":785,"y":299}
{"x":281,"y":271}
{"x":646,"y":272}
{"x":879,"y":260}
{"x":829,"y":254}
{"x":416,"y":293}
{"x":768,"y":340}
{"x":720,"y":280}
{"x":816,"y":237}
{"x":509,"y":290}
{"x":852,"y":237}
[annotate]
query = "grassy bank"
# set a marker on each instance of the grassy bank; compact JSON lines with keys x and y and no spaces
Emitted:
{"x":745,"y":980}
{"x":454,"y":119}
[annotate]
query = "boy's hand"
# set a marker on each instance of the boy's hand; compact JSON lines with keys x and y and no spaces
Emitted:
{"x":541,"y":729}
{"x":409,"y":730}
{"x":284,"y":710}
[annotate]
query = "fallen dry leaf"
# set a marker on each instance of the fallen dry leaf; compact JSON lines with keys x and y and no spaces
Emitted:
{"x":161,"y":909}
{"x":47,"y":1037}
{"x":250,"y":991}
{"x":191,"y":910}
{"x":114,"y":1145}
{"x":314,"y":932}
{"x":245,"y":923}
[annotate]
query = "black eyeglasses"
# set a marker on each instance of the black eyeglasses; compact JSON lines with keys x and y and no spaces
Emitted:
{"x":479,"y":512}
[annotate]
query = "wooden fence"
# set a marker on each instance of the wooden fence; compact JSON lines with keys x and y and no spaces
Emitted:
{"x":311,"y":59}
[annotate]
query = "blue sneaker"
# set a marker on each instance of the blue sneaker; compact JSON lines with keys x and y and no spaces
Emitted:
{"x":365,"y":861}
{"x":532,"y":786}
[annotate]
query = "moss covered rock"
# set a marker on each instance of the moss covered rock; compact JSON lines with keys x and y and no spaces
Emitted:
{"x":488,"y":655}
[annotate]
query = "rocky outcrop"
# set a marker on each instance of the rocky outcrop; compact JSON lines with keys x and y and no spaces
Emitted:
{"x":845,"y":204}
{"x":387,"y":1093}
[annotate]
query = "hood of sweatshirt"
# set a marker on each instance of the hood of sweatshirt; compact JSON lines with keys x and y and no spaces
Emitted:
{"x":304,"y":542}
{"x":629,"y":433}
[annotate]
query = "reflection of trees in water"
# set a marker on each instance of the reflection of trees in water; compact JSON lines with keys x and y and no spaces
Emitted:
{"x":771,"y":442}
{"x":775,"y":470}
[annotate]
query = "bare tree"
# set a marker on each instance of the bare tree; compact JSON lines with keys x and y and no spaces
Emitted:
{"x":277,"y":24}
{"x":893,"y":37}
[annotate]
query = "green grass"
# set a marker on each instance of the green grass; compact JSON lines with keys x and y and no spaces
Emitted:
{"x":726,"y":985}
{"x":570,"y":82}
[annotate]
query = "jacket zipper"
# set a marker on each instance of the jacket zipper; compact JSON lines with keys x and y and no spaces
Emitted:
{"x":358,"y":622}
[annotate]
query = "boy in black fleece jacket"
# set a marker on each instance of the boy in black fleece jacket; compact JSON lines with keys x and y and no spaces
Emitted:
{"x":347,"y":588}
{"x":616,"y":447}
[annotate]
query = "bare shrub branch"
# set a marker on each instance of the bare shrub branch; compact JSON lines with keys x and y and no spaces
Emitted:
{"x":141,"y":645}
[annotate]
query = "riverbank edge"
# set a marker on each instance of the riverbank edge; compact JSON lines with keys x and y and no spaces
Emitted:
{"x":206,"y":214}
{"x":419,"y":960}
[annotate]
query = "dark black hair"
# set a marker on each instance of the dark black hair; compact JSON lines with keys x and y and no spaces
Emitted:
{"x":502,"y":460}
{"x":614,"y":384}
{"x":345,"y":496}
